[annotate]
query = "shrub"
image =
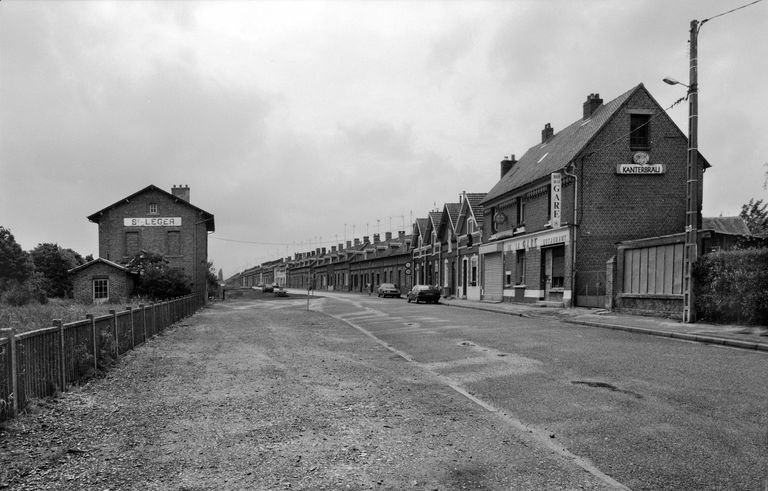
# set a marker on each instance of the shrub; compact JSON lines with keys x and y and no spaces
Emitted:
{"x":732,"y":286}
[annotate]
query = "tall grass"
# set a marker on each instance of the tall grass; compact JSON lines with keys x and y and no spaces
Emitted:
{"x":36,"y":316}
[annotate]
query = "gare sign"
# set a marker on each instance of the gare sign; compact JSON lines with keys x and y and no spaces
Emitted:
{"x":152,"y":222}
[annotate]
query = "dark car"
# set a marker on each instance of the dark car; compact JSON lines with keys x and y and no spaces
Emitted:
{"x":424,"y":293}
{"x":268,"y":289}
{"x":280,"y":291}
{"x":388,"y":290}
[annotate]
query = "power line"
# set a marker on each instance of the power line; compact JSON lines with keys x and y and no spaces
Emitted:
{"x":730,"y":11}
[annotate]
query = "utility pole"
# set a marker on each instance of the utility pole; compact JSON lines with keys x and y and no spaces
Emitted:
{"x":690,"y":252}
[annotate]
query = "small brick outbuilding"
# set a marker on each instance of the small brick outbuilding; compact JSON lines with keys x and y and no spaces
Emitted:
{"x":99,"y":280}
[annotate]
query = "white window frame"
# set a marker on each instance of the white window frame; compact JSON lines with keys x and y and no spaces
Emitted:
{"x":101,"y":299}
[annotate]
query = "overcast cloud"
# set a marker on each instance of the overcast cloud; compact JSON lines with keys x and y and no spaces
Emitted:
{"x":297,"y":123}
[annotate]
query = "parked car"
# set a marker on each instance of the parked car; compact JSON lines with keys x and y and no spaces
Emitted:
{"x":280,"y":291}
{"x":388,"y":290}
{"x":268,"y":288}
{"x":424,"y":293}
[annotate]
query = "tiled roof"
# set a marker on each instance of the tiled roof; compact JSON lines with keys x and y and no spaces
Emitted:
{"x":436,"y":217}
{"x":725,"y":225}
{"x":421,"y":224}
{"x":102,"y":261}
{"x":474,"y":200}
{"x":557,"y":152}
{"x":453,"y":212}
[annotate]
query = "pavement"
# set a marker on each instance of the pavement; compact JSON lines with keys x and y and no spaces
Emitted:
{"x":744,"y":337}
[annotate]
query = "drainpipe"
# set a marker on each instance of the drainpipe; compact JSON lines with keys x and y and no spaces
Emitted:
{"x":575,"y":218}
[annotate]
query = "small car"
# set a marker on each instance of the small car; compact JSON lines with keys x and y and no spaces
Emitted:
{"x":268,"y":289}
{"x":424,"y":293}
{"x":280,"y":291}
{"x":388,"y":290}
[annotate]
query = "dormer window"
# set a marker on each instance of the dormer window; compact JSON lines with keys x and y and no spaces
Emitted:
{"x":153,"y":209}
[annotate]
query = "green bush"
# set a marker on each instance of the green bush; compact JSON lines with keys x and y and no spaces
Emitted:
{"x":732,"y":286}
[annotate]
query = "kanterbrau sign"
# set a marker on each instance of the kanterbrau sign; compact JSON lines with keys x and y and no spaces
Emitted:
{"x":152,"y":222}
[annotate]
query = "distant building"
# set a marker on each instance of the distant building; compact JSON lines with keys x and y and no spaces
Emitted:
{"x":150,"y":220}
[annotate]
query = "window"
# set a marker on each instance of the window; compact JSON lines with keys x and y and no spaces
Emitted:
{"x":520,"y":267}
{"x":131,"y":243}
{"x":474,"y":272}
{"x":520,"y":206}
{"x":494,"y":227}
{"x":100,"y":290}
{"x":174,"y":243}
{"x":639,"y":131}
{"x":558,"y":267}
{"x":153,"y":209}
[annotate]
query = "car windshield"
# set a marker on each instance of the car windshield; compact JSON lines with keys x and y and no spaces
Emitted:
{"x":387,"y":285}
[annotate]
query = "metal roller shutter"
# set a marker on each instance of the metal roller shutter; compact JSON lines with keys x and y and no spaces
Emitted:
{"x":493,"y":276}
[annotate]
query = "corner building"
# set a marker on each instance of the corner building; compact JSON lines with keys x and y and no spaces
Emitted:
{"x":156,"y":221}
{"x":552,"y":221}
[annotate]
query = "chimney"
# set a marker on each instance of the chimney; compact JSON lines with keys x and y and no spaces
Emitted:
{"x":591,"y":104}
{"x":340,"y":247}
{"x":547,"y":133}
{"x":357,"y":242}
{"x":365,"y":239}
{"x":181,"y":192}
{"x":349,"y":244}
{"x":507,"y":164}
{"x":323,"y":251}
{"x":388,"y":236}
{"x":317,"y":251}
{"x":401,"y":234}
{"x":333,"y":249}
{"x":376,"y":238}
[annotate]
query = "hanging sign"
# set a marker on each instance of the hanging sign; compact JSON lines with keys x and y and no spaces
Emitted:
{"x":557,"y":199}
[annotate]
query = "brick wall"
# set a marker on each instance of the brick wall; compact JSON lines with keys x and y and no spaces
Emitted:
{"x":120,"y":283}
{"x":193,"y":239}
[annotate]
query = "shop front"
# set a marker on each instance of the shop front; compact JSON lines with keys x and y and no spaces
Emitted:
{"x":529,"y":268}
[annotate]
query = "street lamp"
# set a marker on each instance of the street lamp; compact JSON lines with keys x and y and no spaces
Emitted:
{"x":690,"y":251}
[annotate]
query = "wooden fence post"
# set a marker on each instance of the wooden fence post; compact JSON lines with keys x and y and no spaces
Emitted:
{"x":144,"y":319}
{"x":62,"y":372}
{"x":11,"y":334}
{"x":91,"y":318}
{"x":113,"y":313}
{"x":130,"y":314}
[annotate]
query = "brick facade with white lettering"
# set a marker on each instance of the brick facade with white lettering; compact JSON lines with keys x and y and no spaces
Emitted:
{"x":156,"y":221}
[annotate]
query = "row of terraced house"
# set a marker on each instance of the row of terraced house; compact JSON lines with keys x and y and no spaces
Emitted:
{"x":590,"y":215}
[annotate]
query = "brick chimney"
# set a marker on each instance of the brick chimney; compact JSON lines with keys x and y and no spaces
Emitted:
{"x":507,"y":164}
{"x":376,"y":238}
{"x":357,"y":242}
{"x":349,"y":244}
{"x":401,"y":234}
{"x":591,"y":104}
{"x":181,"y":192}
{"x":388,"y":236}
{"x":333,"y":249}
{"x":365,"y":239}
{"x":323,"y":251}
{"x":547,"y":133}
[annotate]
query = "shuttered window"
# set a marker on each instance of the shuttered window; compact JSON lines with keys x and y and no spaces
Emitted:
{"x":131,"y":243}
{"x":174,"y":243}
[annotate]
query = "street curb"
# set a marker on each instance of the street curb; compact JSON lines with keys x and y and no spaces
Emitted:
{"x":733,"y":343}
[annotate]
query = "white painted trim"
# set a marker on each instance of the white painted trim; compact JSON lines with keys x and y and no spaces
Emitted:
{"x":534,"y":293}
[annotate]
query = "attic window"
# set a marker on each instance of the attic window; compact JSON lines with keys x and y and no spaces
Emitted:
{"x":542,"y":157}
{"x":153,"y":209}
{"x":639,"y":131}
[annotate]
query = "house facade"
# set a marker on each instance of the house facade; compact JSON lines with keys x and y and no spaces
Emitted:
{"x":553,"y":220}
{"x":156,"y":221}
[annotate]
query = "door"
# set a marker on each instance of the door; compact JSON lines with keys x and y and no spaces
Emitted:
{"x":493,"y":277}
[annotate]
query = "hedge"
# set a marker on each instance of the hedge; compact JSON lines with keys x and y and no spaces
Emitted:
{"x":732,"y":286}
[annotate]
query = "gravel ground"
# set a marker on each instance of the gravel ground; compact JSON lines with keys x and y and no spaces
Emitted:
{"x":261,"y":394}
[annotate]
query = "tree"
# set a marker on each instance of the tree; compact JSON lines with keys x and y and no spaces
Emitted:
{"x":211,"y":279}
{"x":53,"y":262}
{"x":755,"y":214}
{"x":14,"y":262}
{"x":157,"y":280}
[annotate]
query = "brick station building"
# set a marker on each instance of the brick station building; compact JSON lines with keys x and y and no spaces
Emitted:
{"x":554,"y":218}
{"x":151,"y":220}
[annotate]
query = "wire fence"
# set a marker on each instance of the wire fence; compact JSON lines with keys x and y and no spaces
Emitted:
{"x":40,"y":363}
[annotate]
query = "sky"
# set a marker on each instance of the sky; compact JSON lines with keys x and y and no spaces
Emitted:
{"x":304,"y":124}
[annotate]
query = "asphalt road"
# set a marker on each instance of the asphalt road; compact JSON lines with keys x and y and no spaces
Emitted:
{"x":649,"y":413}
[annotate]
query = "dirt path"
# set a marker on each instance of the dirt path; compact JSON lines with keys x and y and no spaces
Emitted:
{"x":263,"y":395}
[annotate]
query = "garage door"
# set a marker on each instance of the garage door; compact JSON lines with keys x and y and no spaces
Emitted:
{"x":493,"y":276}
